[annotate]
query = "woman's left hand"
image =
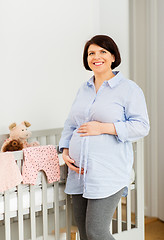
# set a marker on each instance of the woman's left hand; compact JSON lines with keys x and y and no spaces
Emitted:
{"x":90,"y":129}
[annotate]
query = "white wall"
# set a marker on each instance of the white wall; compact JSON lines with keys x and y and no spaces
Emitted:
{"x":114,"y":21}
{"x":160,"y":110}
{"x":41,"y":45}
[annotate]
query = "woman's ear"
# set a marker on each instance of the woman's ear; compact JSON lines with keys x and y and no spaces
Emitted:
{"x":113,"y":58}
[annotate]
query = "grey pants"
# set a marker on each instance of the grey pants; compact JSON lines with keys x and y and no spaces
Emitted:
{"x":93,"y":216}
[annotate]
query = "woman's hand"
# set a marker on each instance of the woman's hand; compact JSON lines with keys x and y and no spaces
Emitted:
{"x":90,"y":129}
{"x":96,"y":128}
{"x":70,"y":161}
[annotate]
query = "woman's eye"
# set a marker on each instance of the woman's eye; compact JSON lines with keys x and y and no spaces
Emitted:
{"x":22,"y":129}
{"x":103,"y":51}
{"x":90,"y":53}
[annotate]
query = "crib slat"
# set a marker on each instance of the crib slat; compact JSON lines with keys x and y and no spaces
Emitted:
{"x":139,"y":196}
{"x":111,"y":226}
{"x":7,"y":216}
{"x":128,"y":209}
{"x":44,"y":196}
{"x":56,"y":210}
{"x":119,"y":217}
{"x":48,"y":140}
{"x":20,"y":206}
{"x":20,"y":212}
{"x":39,"y":139}
{"x":57,"y":137}
{"x":68,"y":217}
{"x":32,"y":212}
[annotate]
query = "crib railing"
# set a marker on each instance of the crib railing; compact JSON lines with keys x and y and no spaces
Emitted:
{"x":45,"y":138}
{"x":128,"y":220}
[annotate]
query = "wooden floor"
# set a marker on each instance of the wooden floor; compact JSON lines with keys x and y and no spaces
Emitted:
{"x":154,"y":229}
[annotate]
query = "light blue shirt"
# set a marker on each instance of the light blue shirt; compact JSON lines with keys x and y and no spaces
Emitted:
{"x":107,"y":159}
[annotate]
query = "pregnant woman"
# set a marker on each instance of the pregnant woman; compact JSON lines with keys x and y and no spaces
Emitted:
{"x":107,"y":115}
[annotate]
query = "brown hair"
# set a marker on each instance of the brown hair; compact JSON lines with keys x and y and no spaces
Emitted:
{"x":105,"y":42}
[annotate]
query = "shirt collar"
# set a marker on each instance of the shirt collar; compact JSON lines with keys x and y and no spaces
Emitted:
{"x":112,"y":82}
{"x":90,"y":82}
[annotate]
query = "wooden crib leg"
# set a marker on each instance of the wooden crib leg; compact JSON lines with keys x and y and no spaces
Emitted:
{"x":74,"y":232}
{"x":73,"y":235}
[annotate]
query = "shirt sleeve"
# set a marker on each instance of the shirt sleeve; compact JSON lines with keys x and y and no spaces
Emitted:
{"x":136,"y":124}
{"x":69,"y":127}
{"x":66,"y":135}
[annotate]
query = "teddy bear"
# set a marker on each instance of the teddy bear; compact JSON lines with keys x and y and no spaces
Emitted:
{"x":18,"y":138}
{"x":13,"y":145}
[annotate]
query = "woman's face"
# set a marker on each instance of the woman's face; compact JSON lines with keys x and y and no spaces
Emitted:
{"x":99,"y":59}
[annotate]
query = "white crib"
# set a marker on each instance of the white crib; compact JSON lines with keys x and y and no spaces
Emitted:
{"x":41,"y":211}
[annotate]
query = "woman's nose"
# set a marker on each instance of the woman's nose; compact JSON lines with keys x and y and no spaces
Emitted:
{"x":97,"y":55}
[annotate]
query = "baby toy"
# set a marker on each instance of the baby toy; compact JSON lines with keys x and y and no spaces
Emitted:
{"x":13,"y":145}
{"x":18,"y":138}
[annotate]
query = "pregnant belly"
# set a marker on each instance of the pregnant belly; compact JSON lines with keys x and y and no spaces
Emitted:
{"x":98,"y":145}
{"x":75,"y":147}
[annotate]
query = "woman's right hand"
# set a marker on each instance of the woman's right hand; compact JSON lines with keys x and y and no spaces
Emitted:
{"x":70,"y":161}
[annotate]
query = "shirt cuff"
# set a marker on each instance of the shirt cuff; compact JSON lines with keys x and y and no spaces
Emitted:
{"x":63,"y":144}
{"x":121,"y":131}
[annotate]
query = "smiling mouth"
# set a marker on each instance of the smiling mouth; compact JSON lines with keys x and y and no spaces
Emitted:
{"x":98,"y":63}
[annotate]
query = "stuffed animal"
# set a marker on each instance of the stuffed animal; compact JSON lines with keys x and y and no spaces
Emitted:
{"x":13,"y":145}
{"x":18,"y":137}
